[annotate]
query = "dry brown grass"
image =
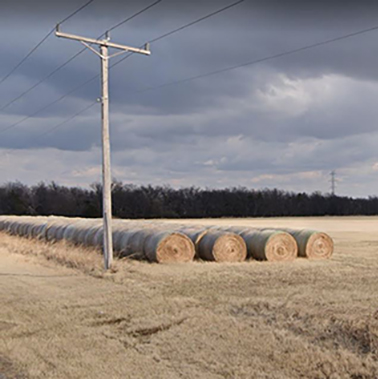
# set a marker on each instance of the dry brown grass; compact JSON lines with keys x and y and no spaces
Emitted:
{"x":300,"y":319}
{"x":87,"y":260}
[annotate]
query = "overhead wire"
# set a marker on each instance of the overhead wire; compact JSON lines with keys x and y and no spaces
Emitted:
{"x":76,"y":12}
{"x":264,"y":59}
{"x":182,"y":28}
{"x":30,"y":53}
{"x":215,"y":72}
{"x":68,"y":119}
{"x":252,"y":62}
{"x":4,"y":78}
{"x":73,"y":57}
{"x":42,"y":80}
{"x":197,"y":21}
{"x":59,"y":68}
{"x":121,"y":60}
{"x":134,"y":15}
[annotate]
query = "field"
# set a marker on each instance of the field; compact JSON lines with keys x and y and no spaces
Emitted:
{"x":62,"y":317}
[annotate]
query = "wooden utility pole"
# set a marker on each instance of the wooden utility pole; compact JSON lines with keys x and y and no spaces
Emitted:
{"x":106,"y":170}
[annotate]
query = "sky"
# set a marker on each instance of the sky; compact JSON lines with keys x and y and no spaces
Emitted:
{"x":281,"y":123}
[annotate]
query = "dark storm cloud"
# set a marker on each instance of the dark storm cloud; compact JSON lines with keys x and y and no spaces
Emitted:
{"x":298,"y":112}
{"x":251,"y":32}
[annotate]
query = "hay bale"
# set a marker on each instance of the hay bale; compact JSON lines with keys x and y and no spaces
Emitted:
{"x":39,"y":231}
{"x":221,"y":246}
{"x":131,"y":244}
{"x":270,"y":245}
{"x":312,"y":244}
{"x":89,"y":238}
{"x":56,"y":227}
{"x":195,"y":233}
{"x":168,"y":247}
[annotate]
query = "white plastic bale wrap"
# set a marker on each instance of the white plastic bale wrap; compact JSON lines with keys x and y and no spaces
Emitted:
{"x":266,"y":244}
{"x":22,"y":226}
{"x":160,"y":241}
{"x":164,"y":246}
{"x":130,"y":243}
{"x":270,"y":245}
{"x":212,"y":244}
{"x":56,"y":226}
{"x":147,"y":240}
{"x":89,"y":239}
{"x":312,"y":244}
{"x":76,"y":232}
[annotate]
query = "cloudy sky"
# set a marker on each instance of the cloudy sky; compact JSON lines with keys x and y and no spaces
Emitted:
{"x":285,"y":122}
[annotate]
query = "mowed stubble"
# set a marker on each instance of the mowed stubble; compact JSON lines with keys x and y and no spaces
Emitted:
{"x":62,"y":317}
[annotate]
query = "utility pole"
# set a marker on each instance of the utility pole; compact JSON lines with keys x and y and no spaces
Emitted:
{"x":333,"y":182}
{"x":105,"y":44}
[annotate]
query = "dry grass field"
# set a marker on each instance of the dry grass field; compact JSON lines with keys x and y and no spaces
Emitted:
{"x":62,"y":317}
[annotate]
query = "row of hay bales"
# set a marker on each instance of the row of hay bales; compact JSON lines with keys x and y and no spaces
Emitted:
{"x":161,"y":242}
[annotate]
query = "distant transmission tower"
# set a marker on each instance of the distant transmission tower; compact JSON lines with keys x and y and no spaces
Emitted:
{"x":333,"y":182}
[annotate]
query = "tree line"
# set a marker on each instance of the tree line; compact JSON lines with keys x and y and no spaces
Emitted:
{"x":131,"y":201}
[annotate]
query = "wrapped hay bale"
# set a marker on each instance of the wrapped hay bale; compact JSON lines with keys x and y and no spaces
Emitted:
{"x":155,"y":244}
{"x":312,"y":244}
{"x":193,"y":232}
{"x":39,"y":231}
{"x":56,"y":227}
{"x":270,"y":245}
{"x":35,"y":227}
{"x":168,"y":247}
{"x":130,"y":243}
{"x":221,"y":246}
{"x":90,"y":235}
{"x":76,"y":232}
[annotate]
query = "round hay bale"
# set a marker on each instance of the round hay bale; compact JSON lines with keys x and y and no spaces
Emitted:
{"x":56,"y":228}
{"x":313,"y":244}
{"x":194,"y":233}
{"x":168,"y":247}
{"x":81,"y":231}
{"x":69,"y":232}
{"x":119,"y":229}
{"x":270,"y":245}
{"x":98,"y":238}
{"x":39,"y":231}
{"x":23,"y":229}
{"x":89,"y":239}
{"x":130,"y":244}
{"x":221,"y":246}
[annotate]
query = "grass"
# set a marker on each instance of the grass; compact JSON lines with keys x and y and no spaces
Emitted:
{"x":301,"y":319}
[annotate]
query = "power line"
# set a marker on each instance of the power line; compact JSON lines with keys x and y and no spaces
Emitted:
{"x":66,"y":63}
{"x":41,"y":42}
{"x":134,"y":15}
{"x":27,"y":56}
{"x":260,"y":60}
{"x":42,"y":80}
{"x":48,"y":105}
{"x":76,"y":12}
{"x":271,"y":57}
{"x":196,"y":21}
{"x":183,"y":27}
{"x":69,"y":119}
{"x":264,"y":59}
{"x":121,"y":60}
